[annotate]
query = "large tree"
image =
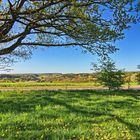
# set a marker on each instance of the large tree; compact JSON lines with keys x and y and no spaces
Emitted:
{"x":92,"y":24}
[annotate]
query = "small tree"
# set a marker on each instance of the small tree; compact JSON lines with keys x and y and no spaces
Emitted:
{"x":108,"y":75}
{"x":138,"y":78}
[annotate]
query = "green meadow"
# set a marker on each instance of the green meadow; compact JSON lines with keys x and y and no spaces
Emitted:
{"x":47,"y":84}
{"x":70,"y":115}
{"x":56,"y":85}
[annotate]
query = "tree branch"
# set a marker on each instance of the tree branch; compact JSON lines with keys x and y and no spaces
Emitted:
{"x":52,"y":45}
{"x":16,"y":44}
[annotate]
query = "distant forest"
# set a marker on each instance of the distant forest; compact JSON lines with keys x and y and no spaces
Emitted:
{"x":57,"y":77}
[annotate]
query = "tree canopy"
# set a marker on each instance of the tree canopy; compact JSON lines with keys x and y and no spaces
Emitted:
{"x":91,"y":24}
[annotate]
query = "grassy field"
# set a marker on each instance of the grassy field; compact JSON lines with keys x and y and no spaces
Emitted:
{"x":46,"y":85}
{"x":64,"y":115}
{"x":54,"y":85}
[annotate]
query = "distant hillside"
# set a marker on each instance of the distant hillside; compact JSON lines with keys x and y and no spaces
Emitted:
{"x":47,"y":77}
{"x":55,"y":77}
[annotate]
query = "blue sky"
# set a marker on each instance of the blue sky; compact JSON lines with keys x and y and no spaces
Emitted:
{"x":72,"y":60}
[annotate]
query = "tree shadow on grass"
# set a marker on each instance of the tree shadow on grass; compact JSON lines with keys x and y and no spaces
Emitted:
{"x":93,"y":113}
{"x":28,"y":102}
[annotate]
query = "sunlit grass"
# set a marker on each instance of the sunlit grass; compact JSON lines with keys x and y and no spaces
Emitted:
{"x":62,"y":115}
{"x":55,"y":85}
{"x":27,"y":84}
{"x":47,"y":85}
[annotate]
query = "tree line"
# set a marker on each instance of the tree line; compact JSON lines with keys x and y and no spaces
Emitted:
{"x":128,"y":77}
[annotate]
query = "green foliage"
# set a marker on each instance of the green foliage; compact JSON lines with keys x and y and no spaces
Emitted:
{"x":64,"y":115}
{"x":93,"y":25}
{"x":108,"y":75}
{"x":138,"y":78}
